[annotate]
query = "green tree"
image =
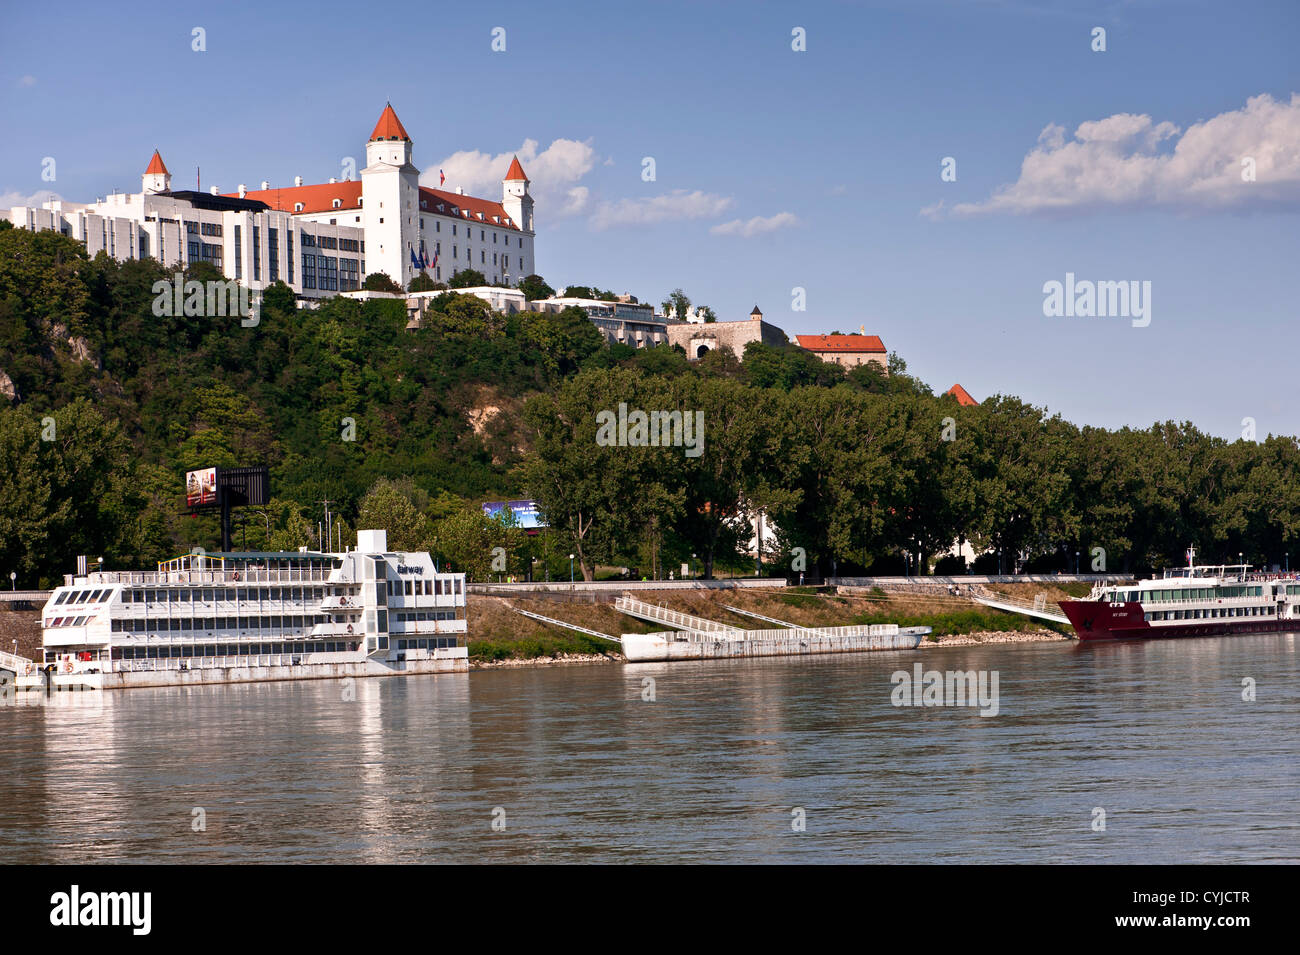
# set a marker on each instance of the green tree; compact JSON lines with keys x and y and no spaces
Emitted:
{"x":380,"y":282}
{"x":534,"y":288}
{"x":387,"y":507}
{"x":468,"y":278}
{"x":597,"y":494}
{"x":564,"y":339}
{"x":422,"y":283}
{"x":465,"y":540}
{"x":676,"y":305}
{"x":66,"y":488}
{"x":786,"y":367}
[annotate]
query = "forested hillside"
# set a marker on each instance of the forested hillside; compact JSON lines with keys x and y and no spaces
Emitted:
{"x":104,"y":405}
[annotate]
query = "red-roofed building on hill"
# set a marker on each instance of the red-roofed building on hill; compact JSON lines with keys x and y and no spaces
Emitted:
{"x":321,"y":238}
{"x":962,"y":395}
{"x":410,"y":228}
{"x":847,"y":350}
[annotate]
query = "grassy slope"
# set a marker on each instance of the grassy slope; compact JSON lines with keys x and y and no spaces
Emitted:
{"x":496,"y":632}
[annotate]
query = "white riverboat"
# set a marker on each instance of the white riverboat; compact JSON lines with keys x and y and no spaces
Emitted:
{"x":251,"y":617}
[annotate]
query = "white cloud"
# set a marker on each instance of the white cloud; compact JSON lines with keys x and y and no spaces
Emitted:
{"x":676,"y":205}
{"x":13,"y":198}
{"x":1126,"y":161}
{"x":759,"y":225}
{"x":553,"y":171}
{"x":575,"y":201}
{"x":27,"y":80}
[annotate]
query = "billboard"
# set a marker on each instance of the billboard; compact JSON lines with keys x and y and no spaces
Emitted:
{"x":233,"y":487}
{"x":201,"y":488}
{"x":245,"y":487}
{"x":525,"y":512}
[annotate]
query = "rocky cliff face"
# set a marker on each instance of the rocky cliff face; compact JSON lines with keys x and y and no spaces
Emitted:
{"x":7,"y":388}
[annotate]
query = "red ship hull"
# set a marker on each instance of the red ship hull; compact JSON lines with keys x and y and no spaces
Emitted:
{"x":1100,"y":620}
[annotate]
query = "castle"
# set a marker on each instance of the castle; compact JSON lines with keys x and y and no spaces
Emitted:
{"x":319,"y":239}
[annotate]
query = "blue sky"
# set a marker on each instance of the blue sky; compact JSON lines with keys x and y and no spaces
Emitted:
{"x":775,"y":169}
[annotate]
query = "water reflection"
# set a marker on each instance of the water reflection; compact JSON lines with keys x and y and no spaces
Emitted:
{"x":580,"y":763}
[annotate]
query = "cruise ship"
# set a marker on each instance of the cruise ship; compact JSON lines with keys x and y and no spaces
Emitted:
{"x":1191,"y":601}
{"x":251,"y":617}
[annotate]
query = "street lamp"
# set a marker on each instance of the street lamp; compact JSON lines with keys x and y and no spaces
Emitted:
{"x":1076,"y":563}
{"x":570,"y":568}
{"x":13,"y":580}
{"x":692,"y":565}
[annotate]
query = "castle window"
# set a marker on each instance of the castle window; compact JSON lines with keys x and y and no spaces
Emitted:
{"x":336,"y":203}
{"x":297,"y":207}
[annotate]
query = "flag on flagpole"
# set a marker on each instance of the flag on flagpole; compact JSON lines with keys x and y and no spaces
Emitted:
{"x":441,"y":177}
{"x":414,"y":261}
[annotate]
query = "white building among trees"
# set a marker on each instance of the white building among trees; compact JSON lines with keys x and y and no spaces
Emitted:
{"x":319,"y":239}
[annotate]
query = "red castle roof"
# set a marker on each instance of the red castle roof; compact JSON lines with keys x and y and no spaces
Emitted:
{"x":321,"y":197}
{"x":389,"y":126}
{"x":962,"y":395}
{"x":493,"y":213}
{"x":515,"y":171}
{"x":841,"y":343}
{"x":317,"y":198}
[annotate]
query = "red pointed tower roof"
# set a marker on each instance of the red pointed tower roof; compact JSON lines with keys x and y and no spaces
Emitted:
{"x":515,"y":171}
{"x":389,"y":126}
{"x":962,"y":395}
{"x":156,"y":166}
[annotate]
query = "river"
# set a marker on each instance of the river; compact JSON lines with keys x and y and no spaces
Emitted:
{"x":1132,"y":752}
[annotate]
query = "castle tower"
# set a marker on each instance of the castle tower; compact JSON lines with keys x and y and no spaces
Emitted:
{"x":755,"y":315}
{"x":390,"y":196}
{"x":156,"y":178}
{"x":515,"y":199}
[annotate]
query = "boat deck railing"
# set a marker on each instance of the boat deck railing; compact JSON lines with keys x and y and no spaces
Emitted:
{"x":242,"y":576}
{"x":217,"y":663}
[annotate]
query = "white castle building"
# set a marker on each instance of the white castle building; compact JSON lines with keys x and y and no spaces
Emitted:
{"x":318,"y":239}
